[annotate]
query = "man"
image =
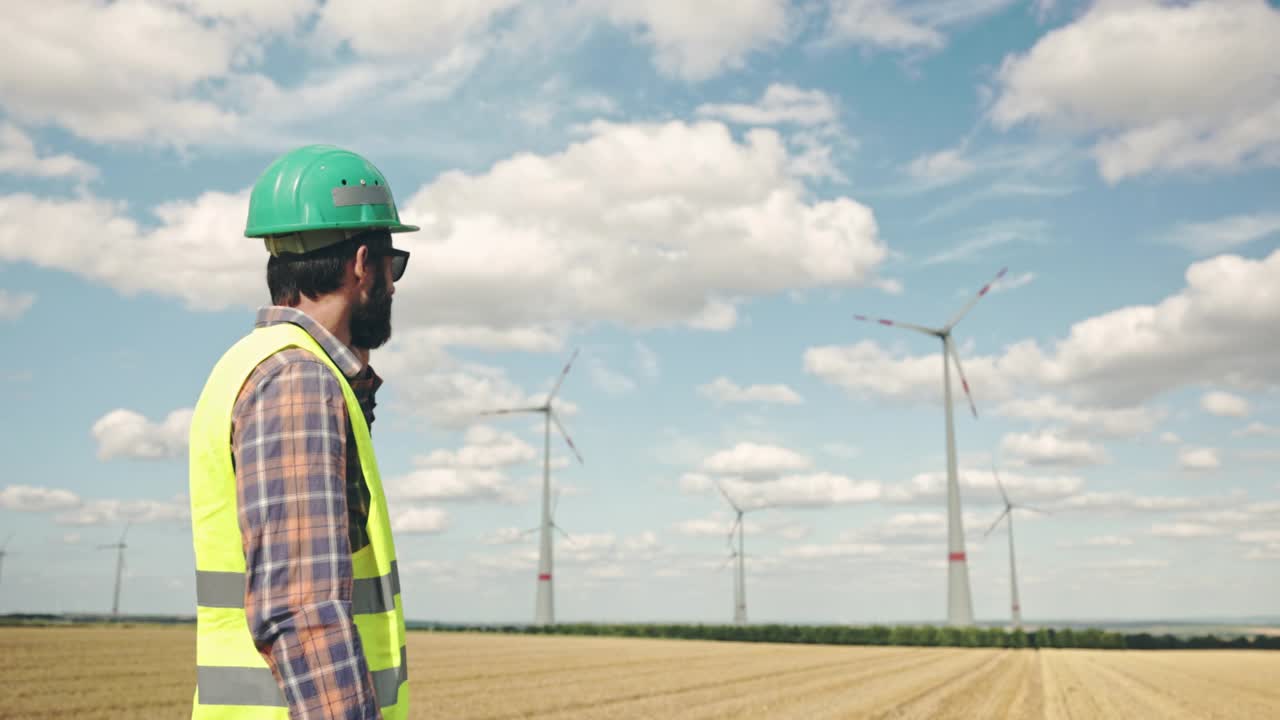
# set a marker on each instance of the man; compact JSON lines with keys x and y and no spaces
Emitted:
{"x":297,"y":588}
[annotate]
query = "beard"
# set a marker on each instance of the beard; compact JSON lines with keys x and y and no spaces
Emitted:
{"x":371,"y":320}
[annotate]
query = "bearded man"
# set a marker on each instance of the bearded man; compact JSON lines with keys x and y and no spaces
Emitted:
{"x":297,"y":588}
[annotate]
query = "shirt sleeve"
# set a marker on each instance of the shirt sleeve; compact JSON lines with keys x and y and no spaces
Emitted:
{"x":289,"y":442}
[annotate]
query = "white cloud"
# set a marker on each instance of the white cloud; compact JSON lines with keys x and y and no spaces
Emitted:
{"x":866,"y":368}
{"x":1050,"y":449}
{"x":608,"y":380}
{"x":697,"y":42}
{"x":1259,"y":429}
{"x":780,"y":104}
{"x":1224,"y":404}
{"x":1213,"y":237}
{"x":1122,"y":502}
{"x":1215,"y":330}
{"x":1199,"y":459}
{"x":1170,"y":438}
{"x":902,"y":24}
{"x":118,"y":512}
{"x":979,"y":487}
{"x":542,"y":239}
{"x":754,"y":460}
{"x":18,"y":156}
{"x":126,"y":434}
{"x":454,"y":484}
{"x":1184,"y":530}
{"x":472,"y":473}
{"x":71,"y":538}
{"x":1152,"y":92}
{"x":646,"y":360}
{"x":14,"y":305}
{"x":998,"y":233}
{"x":724,"y":390}
{"x":834,"y":550}
{"x":1108,"y":541}
{"x":397,"y":28}
{"x":503,"y":536}
{"x":941,"y":168}
{"x":197,"y":251}
{"x":1013,"y":282}
{"x":26,"y":498}
{"x":1107,"y":422}
{"x":878,"y":23}
{"x":420,"y":521}
{"x":813,"y":490}
{"x":844,"y":451}
{"x":486,"y":447}
{"x":650,"y":247}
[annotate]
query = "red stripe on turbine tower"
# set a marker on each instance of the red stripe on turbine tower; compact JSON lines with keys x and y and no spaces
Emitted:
{"x":544,"y":576}
{"x":956,"y":557}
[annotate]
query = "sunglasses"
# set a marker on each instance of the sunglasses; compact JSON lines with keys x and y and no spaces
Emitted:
{"x":399,"y":261}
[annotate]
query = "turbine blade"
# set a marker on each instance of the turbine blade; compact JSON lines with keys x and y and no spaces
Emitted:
{"x":985,"y":289}
{"x":555,"y":503}
{"x":733,"y":530}
{"x":893,"y":323}
{"x":999,"y":484}
{"x":723,"y":492}
{"x":964,"y":382}
{"x":726,"y":562}
{"x":126,"y":531}
{"x":565,"y":534}
{"x":565,"y":434}
{"x":1032,"y":509}
{"x":556,"y":388}
{"x":997,"y":522}
{"x":508,"y":411}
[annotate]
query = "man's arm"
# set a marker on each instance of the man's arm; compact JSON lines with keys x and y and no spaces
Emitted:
{"x":290,"y":442}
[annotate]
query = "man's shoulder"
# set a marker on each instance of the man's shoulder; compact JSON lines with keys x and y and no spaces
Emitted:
{"x":291,"y":364}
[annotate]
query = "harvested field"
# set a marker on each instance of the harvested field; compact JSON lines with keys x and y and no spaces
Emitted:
{"x":146,"y":672}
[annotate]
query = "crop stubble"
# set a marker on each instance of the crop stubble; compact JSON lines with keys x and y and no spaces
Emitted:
{"x":100,"y":673}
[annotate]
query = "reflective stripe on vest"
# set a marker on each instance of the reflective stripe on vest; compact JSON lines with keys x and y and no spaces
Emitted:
{"x":368,"y":595}
{"x":233,"y":681}
{"x":257,"y":686}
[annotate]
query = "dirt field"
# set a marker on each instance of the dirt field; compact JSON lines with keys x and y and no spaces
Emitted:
{"x":89,"y":673}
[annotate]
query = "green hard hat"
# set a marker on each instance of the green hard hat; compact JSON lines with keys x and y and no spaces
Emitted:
{"x":325,"y":188}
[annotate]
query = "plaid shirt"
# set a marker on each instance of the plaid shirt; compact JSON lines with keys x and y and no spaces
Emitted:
{"x":303,"y":507}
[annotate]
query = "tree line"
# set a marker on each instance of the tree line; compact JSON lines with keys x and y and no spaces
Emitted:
{"x":919,"y":635}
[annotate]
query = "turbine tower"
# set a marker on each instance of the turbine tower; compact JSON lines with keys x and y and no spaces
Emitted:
{"x":959,"y":599}
{"x":544,"y":610}
{"x":740,"y":576}
{"x":119,"y":547}
{"x":1009,"y":507}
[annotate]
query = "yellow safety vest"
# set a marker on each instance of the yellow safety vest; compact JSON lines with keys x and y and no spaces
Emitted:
{"x":233,"y":681}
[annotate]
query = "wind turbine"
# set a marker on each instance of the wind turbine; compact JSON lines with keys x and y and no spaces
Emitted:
{"x":119,"y":548}
{"x":544,"y":611}
{"x":740,"y":578}
{"x":1013,"y":568}
{"x":959,"y":599}
{"x":3,"y":552}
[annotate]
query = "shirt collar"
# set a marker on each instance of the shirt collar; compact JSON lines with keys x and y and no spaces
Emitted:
{"x":342,"y":355}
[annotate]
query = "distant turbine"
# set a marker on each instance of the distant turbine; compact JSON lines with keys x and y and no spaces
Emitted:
{"x":959,"y":600}
{"x":4,"y":552}
{"x":1009,"y":507}
{"x":544,"y":611}
{"x":119,"y":547}
{"x":740,"y":577}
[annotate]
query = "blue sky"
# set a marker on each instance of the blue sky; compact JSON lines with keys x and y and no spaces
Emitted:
{"x":699,"y":201}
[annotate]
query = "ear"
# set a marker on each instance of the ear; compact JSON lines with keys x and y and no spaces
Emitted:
{"x":361,"y":269}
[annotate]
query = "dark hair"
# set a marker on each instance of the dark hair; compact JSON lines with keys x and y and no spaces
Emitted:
{"x":318,"y":272}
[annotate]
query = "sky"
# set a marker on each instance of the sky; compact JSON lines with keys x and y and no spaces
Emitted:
{"x":697,"y":201}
